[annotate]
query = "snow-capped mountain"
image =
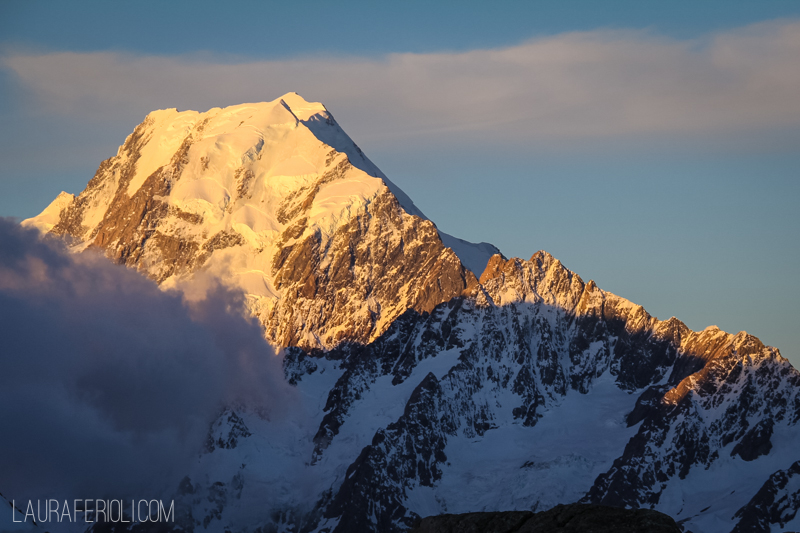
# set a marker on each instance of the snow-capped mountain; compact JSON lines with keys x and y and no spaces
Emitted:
{"x":435,"y":374}
{"x":275,"y":199}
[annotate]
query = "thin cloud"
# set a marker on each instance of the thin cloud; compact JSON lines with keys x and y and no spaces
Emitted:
{"x":586,"y":84}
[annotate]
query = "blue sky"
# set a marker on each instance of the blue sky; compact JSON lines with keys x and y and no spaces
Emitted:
{"x":651,"y":146}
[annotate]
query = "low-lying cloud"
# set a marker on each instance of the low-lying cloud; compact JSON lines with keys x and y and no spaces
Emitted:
{"x":107,"y":384}
{"x":583,"y":84}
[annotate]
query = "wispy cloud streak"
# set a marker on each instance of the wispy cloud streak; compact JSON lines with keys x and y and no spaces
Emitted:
{"x":585,"y":84}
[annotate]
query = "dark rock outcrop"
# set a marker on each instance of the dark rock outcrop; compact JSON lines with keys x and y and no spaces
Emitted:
{"x":573,"y":518}
{"x":755,"y":442}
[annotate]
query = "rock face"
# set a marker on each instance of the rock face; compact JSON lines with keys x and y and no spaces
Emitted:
{"x":775,"y":504}
{"x":424,"y":390}
{"x":573,"y":518}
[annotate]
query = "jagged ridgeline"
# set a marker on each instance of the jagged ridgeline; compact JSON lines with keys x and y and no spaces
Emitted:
{"x":435,"y":374}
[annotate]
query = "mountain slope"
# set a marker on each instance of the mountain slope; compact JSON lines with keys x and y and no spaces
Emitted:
{"x":424,"y":389}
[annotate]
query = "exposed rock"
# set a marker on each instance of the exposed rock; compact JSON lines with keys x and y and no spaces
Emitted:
{"x":755,"y":442}
{"x":226,"y":432}
{"x":776,"y":503}
{"x":385,"y":256}
{"x":705,"y":411}
{"x":487,"y":522}
{"x":405,"y":453}
{"x":572,"y":518}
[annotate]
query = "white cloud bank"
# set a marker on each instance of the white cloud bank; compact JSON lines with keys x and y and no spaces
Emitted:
{"x":109,"y":385}
{"x":583,"y":84}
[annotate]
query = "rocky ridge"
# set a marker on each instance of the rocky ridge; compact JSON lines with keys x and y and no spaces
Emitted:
{"x":531,"y":337}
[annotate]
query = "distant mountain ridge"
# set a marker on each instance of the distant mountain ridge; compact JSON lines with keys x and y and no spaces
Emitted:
{"x":437,"y":375}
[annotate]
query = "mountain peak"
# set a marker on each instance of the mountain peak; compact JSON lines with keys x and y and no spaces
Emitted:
{"x":302,"y":108}
{"x":292,"y":97}
{"x":274,"y":199}
{"x":48,"y":218}
{"x":493,"y":268}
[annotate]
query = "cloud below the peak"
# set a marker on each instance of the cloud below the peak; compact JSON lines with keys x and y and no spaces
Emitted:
{"x":109,"y":385}
{"x":585,"y":84}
